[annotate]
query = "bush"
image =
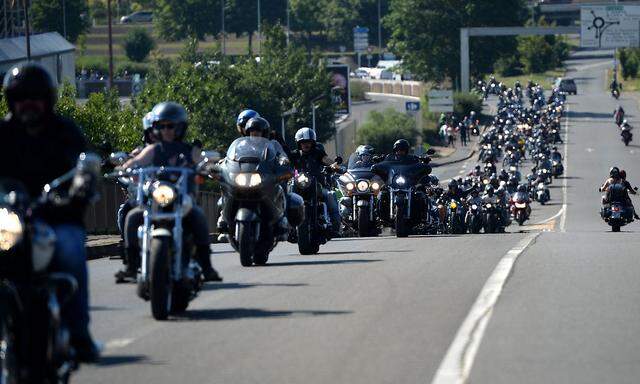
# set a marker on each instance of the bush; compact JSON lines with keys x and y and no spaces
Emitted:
{"x":357,"y":91}
{"x":629,"y":61}
{"x":508,"y":66}
{"x":382,"y":129}
{"x":92,"y":63}
{"x":132,"y":68}
{"x":464,"y":103}
{"x":138,"y":44}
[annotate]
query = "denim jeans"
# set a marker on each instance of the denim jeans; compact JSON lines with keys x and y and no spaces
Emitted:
{"x":70,"y":257}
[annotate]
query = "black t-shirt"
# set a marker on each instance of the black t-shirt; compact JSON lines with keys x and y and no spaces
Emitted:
{"x":38,"y":160}
{"x":311,"y":161}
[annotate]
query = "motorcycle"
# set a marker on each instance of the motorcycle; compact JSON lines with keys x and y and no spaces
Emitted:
{"x":557,"y":169}
{"x":316,"y":227}
{"x":520,"y":208}
{"x":252,"y":177}
{"x":456,"y":218}
{"x":626,"y":135}
{"x":490,"y":218}
{"x":542,"y":194}
{"x":407,"y":204}
{"x":615,"y":93}
{"x":169,"y":278}
{"x":360,"y":188}
{"x":474,"y":218}
{"x":617,"y":214}
{"x":34,"y":342}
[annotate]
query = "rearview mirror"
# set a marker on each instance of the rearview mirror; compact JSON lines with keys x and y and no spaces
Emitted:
{"x":431,"y":151}
{"x":211,"y":156}
{"x":209,"y":162}
{"x":89,"y":162}
{"x":118,"y":158}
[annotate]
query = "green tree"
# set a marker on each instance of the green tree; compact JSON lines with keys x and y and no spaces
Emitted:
{"x":179,"y":19}
{"x":138,"y":44}
{"x":426,"y":33}
{"x":536,"y":54}
{"x":241,"y":16}
{"x":46,"y":16}
{"x":305,"y":18}
{"x":382,"y":129}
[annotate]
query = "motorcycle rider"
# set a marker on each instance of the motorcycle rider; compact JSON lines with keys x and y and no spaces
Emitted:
{"x":148,"y":138}
{"x":37,"y":147}
{"x":310,"y":156}
{"x":362,"y":157}
{"x":490,"y":197}
{"x":170,"y":123}
{"x":616,"y":176}
{"x":618,"y":115}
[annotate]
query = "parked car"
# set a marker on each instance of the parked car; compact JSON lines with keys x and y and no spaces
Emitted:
{"x":360,"y":73}
{"x":566,"y":85}
{"x":137,"y":17}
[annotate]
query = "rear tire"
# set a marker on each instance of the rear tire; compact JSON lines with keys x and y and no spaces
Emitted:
{"x":160,"y":285}
{"x":246,"y":243}
{"x":615,"y":228}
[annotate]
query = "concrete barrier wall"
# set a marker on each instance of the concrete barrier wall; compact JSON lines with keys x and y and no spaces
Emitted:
{"x":405,"y":88}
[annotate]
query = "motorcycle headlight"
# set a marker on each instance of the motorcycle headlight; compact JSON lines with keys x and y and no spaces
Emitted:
{"x":474,"y":206}
{"x":488,"y":205}
{"x":302,"y":181}
{"x":513,"y":169}
{"x":248,"y":179}
{"x":363,"y":186}
{"x":400,"y":180}
{"x":453,"y":205}
{"x":485,"y":181}
{"x":11,"y":229}
{"x":375,"y":186}
{"x":163,"y":194}
{"x":350,"y":187}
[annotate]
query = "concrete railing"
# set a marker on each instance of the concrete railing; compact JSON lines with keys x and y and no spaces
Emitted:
{"x":394,"y":87}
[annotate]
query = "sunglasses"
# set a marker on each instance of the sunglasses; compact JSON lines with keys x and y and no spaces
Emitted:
{"x":169,"y":126}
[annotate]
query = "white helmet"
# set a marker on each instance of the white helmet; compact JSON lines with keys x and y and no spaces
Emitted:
{"x":305,"y":134}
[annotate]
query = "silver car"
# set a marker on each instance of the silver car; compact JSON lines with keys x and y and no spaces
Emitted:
{"x":137,"y":17}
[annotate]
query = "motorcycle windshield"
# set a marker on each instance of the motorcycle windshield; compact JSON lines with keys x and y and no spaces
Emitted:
{"x":251,"y":149}
{"x":409,"y":173}
{"x":360,"y":163}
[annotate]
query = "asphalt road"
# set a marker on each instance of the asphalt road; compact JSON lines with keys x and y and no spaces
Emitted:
{"x":382,"y":310}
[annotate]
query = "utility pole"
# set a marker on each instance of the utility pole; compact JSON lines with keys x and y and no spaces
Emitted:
{"x":224,"y":34}
{"x":110,"y":44}
{"x":64,"y":18}
{"x":27,"y":32}
{"x":288,"y":22}
{"x":259,"y":30}
{"x":379,"y":29}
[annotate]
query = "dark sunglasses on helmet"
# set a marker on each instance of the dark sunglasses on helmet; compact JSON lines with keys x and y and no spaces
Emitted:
{"x":161,"y":126}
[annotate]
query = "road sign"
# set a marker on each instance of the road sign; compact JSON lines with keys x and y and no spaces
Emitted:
{"x":412,"y":106}
{"x":610,"y":26}
{"x":360,"y":39}
{"x":440,"y":101}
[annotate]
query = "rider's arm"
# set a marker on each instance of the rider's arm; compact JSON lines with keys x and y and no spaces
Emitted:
{"x":145,"y":157}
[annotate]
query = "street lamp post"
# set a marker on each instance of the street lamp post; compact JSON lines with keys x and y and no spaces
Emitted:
{"x":259,"y":29}
{"x":64,"y":19}
{"x":27,"y":32}
{"x":288,"y":22}
{"x":224,"y":34}
{"x":110,"y":44}
{"x":379,"y":29}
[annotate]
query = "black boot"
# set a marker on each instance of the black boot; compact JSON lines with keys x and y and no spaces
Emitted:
{"x":132,"y":263}
{"x":203,"y":258}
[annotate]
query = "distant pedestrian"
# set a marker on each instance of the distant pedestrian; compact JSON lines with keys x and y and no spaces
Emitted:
{"x":443,"y":133}
{"x":462,"y":128}
{"x":443,"y":119}
{"x":451,"y":133}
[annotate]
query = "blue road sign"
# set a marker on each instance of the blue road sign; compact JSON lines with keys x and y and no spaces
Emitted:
{"x":412,"y":106}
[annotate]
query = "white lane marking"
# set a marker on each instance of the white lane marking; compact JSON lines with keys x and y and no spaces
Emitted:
{"x":457,"y":363}
{"x":551,"y":218}
{"x":461,"y":172}
{"x":563,"y":219}
{"x":118,"y":343}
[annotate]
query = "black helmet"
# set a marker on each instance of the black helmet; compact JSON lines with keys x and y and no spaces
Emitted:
{"x":522,"y":188}
{"x":453,"y":184}
{"x":614,"y":172}
{"x":258,"y":124}
{"x":29,"y":81}
{"x":171,"y":112}
{"x":401,"y":145}
{"x":489,"y":189}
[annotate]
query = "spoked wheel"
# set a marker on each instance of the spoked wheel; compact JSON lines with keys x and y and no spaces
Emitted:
{"x":160,"y":284}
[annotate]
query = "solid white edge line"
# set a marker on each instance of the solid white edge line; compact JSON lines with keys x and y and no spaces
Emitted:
{"x":458,"y":361}
{"x":563,"y":219}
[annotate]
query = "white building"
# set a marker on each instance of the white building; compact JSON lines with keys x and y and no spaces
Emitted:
{"x":50,"y":50}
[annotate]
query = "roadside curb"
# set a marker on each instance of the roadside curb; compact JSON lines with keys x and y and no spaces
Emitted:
{"x":471,"y":154}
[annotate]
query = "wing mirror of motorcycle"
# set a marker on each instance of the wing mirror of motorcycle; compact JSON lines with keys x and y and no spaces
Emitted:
{"x":208,"y":164}
{"x":338,"y":160}
{"x":118,"y":158}
{"x":431,"y":151}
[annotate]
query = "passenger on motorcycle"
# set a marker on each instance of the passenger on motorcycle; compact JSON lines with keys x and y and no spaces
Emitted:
{"x":311,"y":157}
{"x":618,"y":177}
{"x":37,"y":147}
{"x":170,"y":124}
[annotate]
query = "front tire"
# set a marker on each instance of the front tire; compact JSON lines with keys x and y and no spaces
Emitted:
{"x":246,"y":243}
{"x":160,"y":285}
{"x":615,"y":228}
{"x":364,"y":225}
{"x":402,"y":229}
{"x":306,"y":243}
